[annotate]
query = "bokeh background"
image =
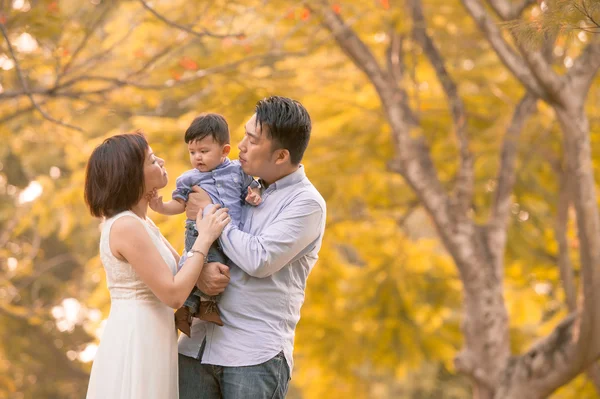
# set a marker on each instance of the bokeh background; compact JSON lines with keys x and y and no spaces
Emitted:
{"x":384,"y":304}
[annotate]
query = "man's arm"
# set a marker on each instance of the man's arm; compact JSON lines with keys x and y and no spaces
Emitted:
{"x":298,"y":225}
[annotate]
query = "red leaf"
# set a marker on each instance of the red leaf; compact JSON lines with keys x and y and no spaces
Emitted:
{"x":53,"y":7}
{"x":305,"y":14}
{"x":187,"y":63}
{"x":385,"y":4}
{"x":176,"y":75}
{"x":337,"y":9}
{"x":66,"y":52}
{"x":139,"y":53}
{"x":291,"y":14}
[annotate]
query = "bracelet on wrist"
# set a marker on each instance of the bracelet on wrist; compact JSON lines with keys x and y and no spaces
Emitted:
{"x":193,"y":252}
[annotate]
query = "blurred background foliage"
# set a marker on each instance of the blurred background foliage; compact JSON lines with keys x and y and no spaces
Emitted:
{"x":383,"y":305}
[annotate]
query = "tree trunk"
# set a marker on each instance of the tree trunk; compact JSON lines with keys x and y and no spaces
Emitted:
{"x":485,"y":325}
{"x":575,"y":127}
{"x":573,"y":345}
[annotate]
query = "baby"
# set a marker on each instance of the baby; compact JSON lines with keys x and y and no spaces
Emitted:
{"x":225,"y":182}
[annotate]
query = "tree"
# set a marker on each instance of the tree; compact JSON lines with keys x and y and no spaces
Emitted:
{"x":478,"y":249}
{"x":382,"y":315}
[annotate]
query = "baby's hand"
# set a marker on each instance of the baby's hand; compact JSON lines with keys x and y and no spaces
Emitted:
{"x":156,"y":204}
{"x":253,"y":197}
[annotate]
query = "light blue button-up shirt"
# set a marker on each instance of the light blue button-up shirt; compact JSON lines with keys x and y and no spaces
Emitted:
{"x":227,"y":184}
{"x":271,"y":255}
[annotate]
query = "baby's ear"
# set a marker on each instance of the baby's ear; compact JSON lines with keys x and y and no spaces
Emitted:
{"x":226,"y":149}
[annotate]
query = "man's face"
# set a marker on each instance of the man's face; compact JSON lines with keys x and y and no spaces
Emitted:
{"x":256,"y":153}
{"x":206,"y":154}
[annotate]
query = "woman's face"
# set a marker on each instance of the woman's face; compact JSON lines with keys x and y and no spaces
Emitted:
{"x":155,"y":175}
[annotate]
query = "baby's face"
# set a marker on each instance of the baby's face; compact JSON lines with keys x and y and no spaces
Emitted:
{"x":206,"y":154}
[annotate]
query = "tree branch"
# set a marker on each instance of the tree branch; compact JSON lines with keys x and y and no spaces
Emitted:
{"x":565,"y":265}
{"x":115,"y":83}
{"x":465,"y":176}
{"x":508,"y":11}
{"x":413,"y":158}
{"x":506,"y":54}
{"x":120,"y":82}
{"x":26,"y":89}
{"x":540,"y":64}
{"x":9,"y":226}
{"x":354,"y":47}
{"x":507,"y":169}
{"x":100,"y":56}
{"x":204,"y":32}
{"x":585,"y":67}
{"x":560,"y":232}
{"x":549,"y":364}
{"x":396,"y":70}
{"x":83,"y":43}
{"x":18,"y":113}
{"x":47,"y":265}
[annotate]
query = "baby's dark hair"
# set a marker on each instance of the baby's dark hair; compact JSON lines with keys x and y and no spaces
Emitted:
{"x":208,"y":124}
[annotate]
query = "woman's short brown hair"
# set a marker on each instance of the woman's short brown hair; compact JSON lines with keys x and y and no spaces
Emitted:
{"x":114,"y":178}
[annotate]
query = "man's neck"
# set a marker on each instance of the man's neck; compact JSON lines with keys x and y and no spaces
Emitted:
{"x":281,"y":175}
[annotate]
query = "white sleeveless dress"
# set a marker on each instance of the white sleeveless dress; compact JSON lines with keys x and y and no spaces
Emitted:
{"x":137,"y":356}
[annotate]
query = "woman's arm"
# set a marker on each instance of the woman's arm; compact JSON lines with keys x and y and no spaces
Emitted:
{"x":130,"y":241}
{"x":168,"y":244}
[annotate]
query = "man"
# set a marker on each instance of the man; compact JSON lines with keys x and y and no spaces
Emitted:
{"x":271,"y":255}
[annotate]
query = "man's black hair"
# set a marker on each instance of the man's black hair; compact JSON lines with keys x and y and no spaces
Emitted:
{"x":287,"y":123}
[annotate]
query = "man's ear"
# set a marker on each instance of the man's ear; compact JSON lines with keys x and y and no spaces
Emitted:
{"x":282,"y":156}
{"x":226,"y":149}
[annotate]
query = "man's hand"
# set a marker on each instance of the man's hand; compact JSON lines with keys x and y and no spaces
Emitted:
{"x":253,"y":197}
{"x":197,"y":200}
{"x":213,"y":278}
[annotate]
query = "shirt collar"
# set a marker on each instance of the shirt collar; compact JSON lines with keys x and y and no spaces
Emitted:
{"x":223,"y":164}
{"x":289,"y":180}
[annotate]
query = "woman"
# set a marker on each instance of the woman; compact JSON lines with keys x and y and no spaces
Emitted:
{"x":137,"y":357}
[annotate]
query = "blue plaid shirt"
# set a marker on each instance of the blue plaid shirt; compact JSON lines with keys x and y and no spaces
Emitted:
{"x":227,"y":184}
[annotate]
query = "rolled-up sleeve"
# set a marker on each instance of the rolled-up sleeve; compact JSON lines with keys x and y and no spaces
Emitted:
{"x":292,"y":231}
{"x":182,"y":188}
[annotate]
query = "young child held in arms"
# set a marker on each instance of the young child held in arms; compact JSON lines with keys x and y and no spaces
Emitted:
{"x":207,"y":139}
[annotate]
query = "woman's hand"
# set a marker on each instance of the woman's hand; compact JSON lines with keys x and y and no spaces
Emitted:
{"x":212,"y":224}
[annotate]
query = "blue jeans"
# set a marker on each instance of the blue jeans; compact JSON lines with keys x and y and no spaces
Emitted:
{"x":214,"y":255}
{"x":268,"y":380}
